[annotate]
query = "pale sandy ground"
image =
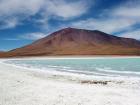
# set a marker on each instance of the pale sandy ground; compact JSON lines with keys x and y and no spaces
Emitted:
{"x":22,"y":87}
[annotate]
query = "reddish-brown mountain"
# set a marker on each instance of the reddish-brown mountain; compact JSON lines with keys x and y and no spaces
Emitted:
{"x":71,"y":41}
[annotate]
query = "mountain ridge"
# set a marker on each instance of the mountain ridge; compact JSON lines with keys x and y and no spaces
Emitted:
{"x":72,"y":41}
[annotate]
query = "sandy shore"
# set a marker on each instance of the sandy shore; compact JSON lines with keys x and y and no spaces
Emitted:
{"x":19,"y":86}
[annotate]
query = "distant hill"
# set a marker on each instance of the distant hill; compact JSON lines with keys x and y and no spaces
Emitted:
{"x":1,"y":51}
{"x":71,"y":41}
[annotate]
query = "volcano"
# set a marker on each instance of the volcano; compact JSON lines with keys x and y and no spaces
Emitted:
{"x":72,"y":41}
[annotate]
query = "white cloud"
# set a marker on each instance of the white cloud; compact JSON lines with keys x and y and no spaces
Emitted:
{"x":129,"y":12}
{"x":107,"y":25}
{"x":9,"y":23}
{"x":32,"y":36}
{"x":12,"y":12}
{"x":16,"y":7}
{"x":119,"y":18}
{"x":131,"y":9}
{"x":133,"y":34}
{"x":66,"y":10}
{"x":11,"y":39}
{"x":28,"y":36}
{"x":21,"y":10}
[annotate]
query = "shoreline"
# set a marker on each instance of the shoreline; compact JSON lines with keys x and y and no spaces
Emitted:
{"x":20,"y":86}
{"x":55,"y":72}
{"x":68,"y":57}
{"x":76,"y":76}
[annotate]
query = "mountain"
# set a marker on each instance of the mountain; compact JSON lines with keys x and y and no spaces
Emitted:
{"x":71,"y":41}
{"x":1,"y":51}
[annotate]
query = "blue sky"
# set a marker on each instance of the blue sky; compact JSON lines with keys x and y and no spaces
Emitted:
{"x":22,"y":22}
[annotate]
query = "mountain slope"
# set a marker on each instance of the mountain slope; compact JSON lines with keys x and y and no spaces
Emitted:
{"x":70,"y":41}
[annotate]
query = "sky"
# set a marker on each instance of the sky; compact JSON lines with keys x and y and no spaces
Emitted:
{"x":22,"y":22}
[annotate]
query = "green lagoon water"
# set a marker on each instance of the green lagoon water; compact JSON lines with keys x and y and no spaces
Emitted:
{"x":90,"y":66}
